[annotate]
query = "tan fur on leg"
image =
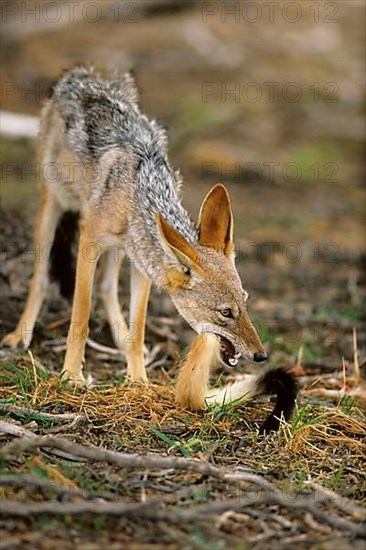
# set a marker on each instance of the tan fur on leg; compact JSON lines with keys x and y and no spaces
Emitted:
{"x":108,"y":291}
{"x":88,"y":255}
{"x":140,"y":290}
{"x":47,"y":218}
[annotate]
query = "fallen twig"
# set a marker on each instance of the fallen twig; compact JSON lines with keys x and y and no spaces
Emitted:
{"x":152,"y":354}
{"x":340,"y":502}
{"x":18,"y":125}
{"x":163,"y":332}
{"x":336,"y":394}
{"x":269,"y":495}
{"x":14,"y":429}
{"x":9,"y":407}
{"x":104,"y":349}
{"x":151,"y":509}
{"x":58,"y":323}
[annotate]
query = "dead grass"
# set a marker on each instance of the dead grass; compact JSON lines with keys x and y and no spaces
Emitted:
{"x":315,"y":431}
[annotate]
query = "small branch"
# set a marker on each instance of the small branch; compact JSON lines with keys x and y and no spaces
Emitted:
{"x":336,"y":394}
{"x":152,"y":354}
{"x":340,"y":502}
{"x":55,"y":343}
{"x":8,"y":407}
{"x":60,"y":344}
{"x":163,"y":332}
{"x":147,"y":509}
{"x":356,"y":471}
{"x":13,"y":429}
{"x":151,"y":509}
{"x":171,"y":321}
{"x":58,"y":323}
{"x":104,"y":349}
{"x":18,"y":125}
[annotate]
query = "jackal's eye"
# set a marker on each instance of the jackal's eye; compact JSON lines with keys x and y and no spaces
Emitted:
{"x":226,"y":312}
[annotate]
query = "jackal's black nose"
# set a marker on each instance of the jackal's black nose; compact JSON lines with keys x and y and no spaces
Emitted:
{"x":260,"y":356}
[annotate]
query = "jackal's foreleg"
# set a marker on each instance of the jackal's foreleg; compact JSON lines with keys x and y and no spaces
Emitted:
{"x":134,"y":346}
{"x":48,"y":215}
{"x":88,"y":256}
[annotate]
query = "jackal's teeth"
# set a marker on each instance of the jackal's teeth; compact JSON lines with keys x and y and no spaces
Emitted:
{"x":233,"y":361}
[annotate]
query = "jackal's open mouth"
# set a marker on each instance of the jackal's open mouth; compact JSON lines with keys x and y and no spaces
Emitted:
{"x":228,"y":352}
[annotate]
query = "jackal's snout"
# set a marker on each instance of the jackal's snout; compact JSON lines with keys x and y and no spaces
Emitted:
{"x":248,"y":340}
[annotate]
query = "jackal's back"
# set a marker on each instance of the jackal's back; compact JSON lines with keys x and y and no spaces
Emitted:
{"x":100,"y":115}
{"x":103,"y":116}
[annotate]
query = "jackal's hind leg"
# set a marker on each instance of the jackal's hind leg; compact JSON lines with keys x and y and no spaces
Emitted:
{"x":107,"y":288}
{"x":48,"y":215}
{"x":140,"y":290}
{"x":88,"y":256}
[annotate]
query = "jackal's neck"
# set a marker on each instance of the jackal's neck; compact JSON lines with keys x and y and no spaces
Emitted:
{"x":156,"y":191}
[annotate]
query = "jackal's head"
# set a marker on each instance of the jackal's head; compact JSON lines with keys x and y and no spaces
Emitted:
{"x":204,"y":284}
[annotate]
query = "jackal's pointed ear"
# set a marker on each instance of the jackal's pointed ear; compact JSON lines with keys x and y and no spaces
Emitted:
{"x":215,"y":221}
{"x":175,"y":245}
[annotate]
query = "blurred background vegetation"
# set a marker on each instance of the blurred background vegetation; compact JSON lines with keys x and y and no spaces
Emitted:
{"x":265,"y":97}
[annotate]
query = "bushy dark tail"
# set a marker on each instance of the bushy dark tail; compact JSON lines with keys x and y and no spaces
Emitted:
{"x":63,"y":256}
{"x":281,"y":383}
{"x":193,"y":389}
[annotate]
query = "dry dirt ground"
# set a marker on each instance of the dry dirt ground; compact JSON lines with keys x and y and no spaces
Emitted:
{"x":300,"y":253}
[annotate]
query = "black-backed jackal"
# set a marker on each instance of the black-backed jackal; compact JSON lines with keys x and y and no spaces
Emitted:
{"x":127,"y":197}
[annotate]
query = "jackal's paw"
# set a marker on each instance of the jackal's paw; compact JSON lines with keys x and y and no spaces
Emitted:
{"x":138,"y":380}
{"x":77,"y":380}
{"x":15,"y":340}
{"x":137,"y":373}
